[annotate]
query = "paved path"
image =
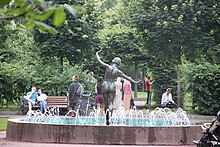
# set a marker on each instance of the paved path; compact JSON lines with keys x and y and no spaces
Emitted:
{"x":6,"y":143}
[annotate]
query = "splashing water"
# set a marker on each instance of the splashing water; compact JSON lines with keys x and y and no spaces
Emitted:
{"x":121,"y":117}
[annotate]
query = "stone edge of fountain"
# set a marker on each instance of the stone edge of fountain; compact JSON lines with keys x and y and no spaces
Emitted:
{"x":95,"y":134}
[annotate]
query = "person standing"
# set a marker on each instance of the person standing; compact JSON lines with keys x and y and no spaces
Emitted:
{"x":118,"y":94}
{"x":91,"y":78}
{"x":42,"y":100}
{"x":122,"y":90}
{"x":99,"y":97}
{"x":75,"y":90}
{"x":127,"y":94}
{"x":148,"y":83}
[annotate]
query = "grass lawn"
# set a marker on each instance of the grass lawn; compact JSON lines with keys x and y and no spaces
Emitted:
{"x":9,"y":108}
{"x":187,"y":103}
{"x":3,"y":123}
{"x":141,"y":95}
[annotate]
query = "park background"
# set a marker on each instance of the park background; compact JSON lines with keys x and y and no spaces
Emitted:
{"x":176,"y":42}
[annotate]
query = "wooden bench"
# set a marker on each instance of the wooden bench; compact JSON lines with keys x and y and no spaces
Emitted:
{"x":52,"y":101}
{"x":55,"y":101}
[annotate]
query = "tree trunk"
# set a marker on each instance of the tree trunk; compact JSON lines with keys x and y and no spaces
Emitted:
{"x":61,"y":63}
{"x":136,"y":77}
{"x":178,"y":85}
{"x":142,"y":79}
{"x":179,"y":63}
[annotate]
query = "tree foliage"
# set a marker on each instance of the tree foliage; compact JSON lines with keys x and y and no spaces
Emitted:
{"x":204,"y":86}
{"x":175,"y":31}
{"x":37,"y":11}
{"x":22,"y":65}
{"x":158,"y":35}
{"x":17,"y":60}
{"x":75,"y":40}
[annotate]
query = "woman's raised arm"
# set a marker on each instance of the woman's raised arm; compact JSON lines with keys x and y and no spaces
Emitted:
{"x":102,"y":63}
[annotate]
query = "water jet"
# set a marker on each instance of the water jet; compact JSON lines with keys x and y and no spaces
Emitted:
{"x":159,"y":127}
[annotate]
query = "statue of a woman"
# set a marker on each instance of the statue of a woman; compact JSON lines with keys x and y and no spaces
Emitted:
{"x":108,"y":86}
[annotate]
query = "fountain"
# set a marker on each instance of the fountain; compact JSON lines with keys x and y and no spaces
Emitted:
{"x":126,"y":127}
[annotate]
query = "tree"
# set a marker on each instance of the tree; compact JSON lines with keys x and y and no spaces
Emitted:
{"x":76,"y":38}
{"x":22,"y":63}
{"x":203,"y":81}
{"x":16,"y":62}
{"x":172,"y":34}
{"x":119,"y":37}
{"x":35,"y":12}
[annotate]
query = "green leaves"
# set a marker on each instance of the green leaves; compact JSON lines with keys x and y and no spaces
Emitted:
{"x":30,"y":25}
{"x":204,"y":83}
{"x":78,"y":9}
{"x":59,"y":16}
{"x":44,"y":16}
{"x":70,"y":10}
{"x":17,"y":11}
{"x":37,"y":11}
{"x":3,"y":3}
{"x":44,"y":27}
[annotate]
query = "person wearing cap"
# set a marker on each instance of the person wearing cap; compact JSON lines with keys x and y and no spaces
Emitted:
{"x":167,"y":100}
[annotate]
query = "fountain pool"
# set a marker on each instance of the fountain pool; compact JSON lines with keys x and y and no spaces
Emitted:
{"x":159,"y":127}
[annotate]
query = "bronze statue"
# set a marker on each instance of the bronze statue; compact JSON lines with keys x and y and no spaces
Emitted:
{"x":108,"y":86}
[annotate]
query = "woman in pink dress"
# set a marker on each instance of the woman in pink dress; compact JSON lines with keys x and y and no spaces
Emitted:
{"x":127,"y":94}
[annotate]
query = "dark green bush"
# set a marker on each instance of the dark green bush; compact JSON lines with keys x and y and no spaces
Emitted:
{"x":204,"y":84}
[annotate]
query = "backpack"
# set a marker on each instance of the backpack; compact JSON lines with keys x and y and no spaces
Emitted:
{"x":79,"y":90}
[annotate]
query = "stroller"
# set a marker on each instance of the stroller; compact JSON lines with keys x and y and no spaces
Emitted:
{"x":132,"y":104}
{"x":211,"y":137}
{"x":21,"y":107}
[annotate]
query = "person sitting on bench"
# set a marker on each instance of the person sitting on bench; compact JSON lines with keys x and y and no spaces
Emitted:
{"x":42,"y":100}
{"x":30,"y":99}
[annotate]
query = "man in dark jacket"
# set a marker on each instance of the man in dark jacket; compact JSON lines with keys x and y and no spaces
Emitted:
{"x":75,"y":90}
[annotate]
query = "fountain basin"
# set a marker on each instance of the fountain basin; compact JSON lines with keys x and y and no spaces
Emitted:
{"x":101,"y":134}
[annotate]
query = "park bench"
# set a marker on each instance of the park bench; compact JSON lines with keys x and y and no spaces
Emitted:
{"x":140,"y":103}
{"x":52,"y":101}
{"x":57,"y":101}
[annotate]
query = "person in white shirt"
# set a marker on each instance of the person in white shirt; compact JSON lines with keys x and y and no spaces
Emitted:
{"x":167,"y":100}
{"x":42,"y":100}
{"x":117,"y":102}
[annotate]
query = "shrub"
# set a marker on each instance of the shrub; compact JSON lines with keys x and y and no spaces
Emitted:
{"x":204,"y":84}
